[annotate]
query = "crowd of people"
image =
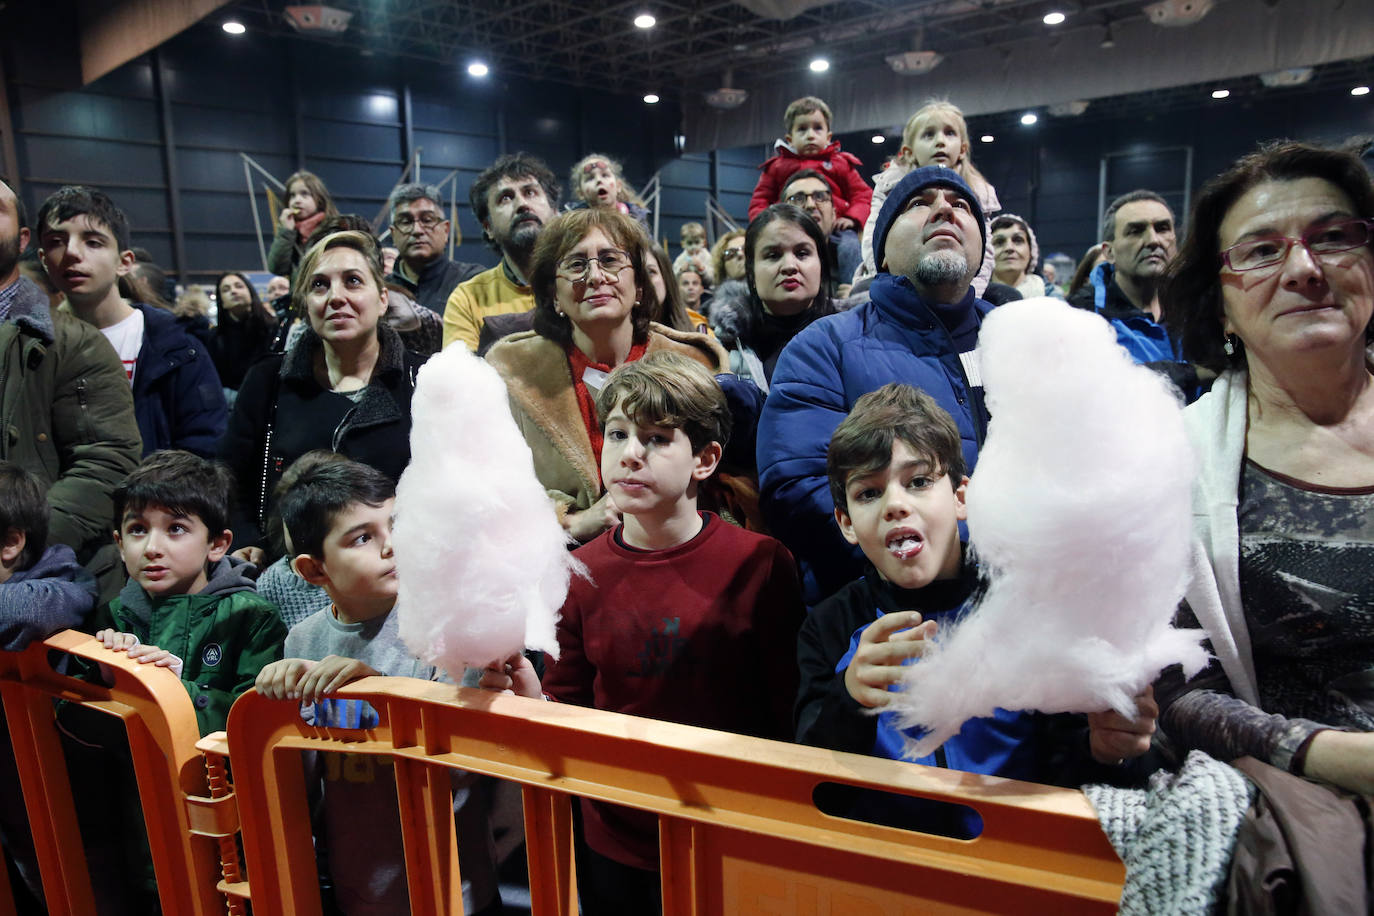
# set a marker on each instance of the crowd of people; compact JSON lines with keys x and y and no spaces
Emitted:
{"x":759,"y":448}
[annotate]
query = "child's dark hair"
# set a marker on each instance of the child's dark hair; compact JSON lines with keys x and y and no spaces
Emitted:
{"x":181,"y":483}
{"x":862,"y":443}
{"x":79,"y":200}
{"x":670,"y":390}
{"x":303,"y":466}
{"x":24,"y":507}
{"x":309,"y":507}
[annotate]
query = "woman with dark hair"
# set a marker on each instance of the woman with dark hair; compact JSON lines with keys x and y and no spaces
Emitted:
{"x":345,"y":386}
{"x":1274,"y":289}
{"x":788,"y":274}
{"x":245,"y":329}
{"x":592,"y":302}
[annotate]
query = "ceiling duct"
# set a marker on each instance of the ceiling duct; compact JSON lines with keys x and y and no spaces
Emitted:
{"x":726,"y":97}
{"x":916,"y":62}
{"x":318,"y":19}
{"x":1295,"y":76}
{"x":1178,"y":12}
{"x":1068,"y":109}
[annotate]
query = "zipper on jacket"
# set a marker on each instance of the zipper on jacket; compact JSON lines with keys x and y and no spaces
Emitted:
{"x":339,"y":430}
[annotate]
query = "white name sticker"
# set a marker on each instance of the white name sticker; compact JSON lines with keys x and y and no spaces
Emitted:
{"x":594,"y":378}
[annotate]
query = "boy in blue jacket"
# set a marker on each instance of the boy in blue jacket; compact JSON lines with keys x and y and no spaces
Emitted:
{"x":83,"y":240}
{"x":896,"y":470}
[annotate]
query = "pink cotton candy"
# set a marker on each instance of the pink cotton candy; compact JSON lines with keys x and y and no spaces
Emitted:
{"x":483,"y":561}
{"x":1080,"y":513}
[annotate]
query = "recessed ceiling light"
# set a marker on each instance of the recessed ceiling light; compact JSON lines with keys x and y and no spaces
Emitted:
{"x":1360,"y":90}
{"x":820,"y":65}
{"x":234,"y":27}
{"x":1221,"y":93}
{"x":651,"y":99}
{"x":879,"y":138}
{"x":645,"y":21}
{"x":1029,"y":118}
{"x":477,"y":68}
{"x":1054,"y":18}
{"x":987,"y":138}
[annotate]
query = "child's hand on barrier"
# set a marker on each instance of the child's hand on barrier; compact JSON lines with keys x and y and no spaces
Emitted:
{"x":514,"y":675}
{"x":1114,"y":739}
{"x":331,"y":673}
{"x":885,"y":645}
{"x":281,"y":680}
{"x":115,"y":640}
{"x":152,"y":655}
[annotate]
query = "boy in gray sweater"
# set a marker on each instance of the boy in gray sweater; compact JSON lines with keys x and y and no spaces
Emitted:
{"x":338,"y":519}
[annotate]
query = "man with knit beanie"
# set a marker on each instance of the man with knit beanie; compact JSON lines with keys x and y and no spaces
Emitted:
{"x":920,"y":326}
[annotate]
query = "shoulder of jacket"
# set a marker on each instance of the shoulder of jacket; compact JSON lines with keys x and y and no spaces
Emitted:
{"x":700,"y":347}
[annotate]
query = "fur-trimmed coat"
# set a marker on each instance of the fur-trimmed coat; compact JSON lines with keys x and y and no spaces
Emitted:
{"x":544,"y":403}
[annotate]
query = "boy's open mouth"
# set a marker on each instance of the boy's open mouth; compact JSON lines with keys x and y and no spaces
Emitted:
{"x":905,"y":543}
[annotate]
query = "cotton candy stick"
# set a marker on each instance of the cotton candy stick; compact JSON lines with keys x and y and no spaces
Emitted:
{"x":483,"y":563}
{"x":1079,"y":512}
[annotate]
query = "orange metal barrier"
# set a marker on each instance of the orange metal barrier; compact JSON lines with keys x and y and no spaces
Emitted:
{"x":739,"y":832}
{"x":161,"y":725}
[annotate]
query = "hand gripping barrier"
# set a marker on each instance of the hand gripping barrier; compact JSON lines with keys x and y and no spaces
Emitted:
{"x":161,"y":725}
{"x":739,"y":832}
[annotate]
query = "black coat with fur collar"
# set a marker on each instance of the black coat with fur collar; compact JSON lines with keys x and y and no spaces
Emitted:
{"x":281,"y":394}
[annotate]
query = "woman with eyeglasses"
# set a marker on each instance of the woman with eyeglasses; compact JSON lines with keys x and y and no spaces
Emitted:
{"x":592,"y":302}
{"x":1274,"y":289}
{"x":727,"y":256}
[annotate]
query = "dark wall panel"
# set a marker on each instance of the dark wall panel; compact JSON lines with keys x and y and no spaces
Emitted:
{"x":449,"y":151}
{"x":90,"y":161}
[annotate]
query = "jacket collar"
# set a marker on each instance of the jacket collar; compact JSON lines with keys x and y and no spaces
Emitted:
{"x":31,"y":312}
{"x":299,"y":363}
{"x":896,"y":299}
{"x":1116,"y":304}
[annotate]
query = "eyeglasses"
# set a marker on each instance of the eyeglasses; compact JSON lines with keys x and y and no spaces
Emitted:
{"x":1327,"y":239}
{"x":405,"y":222}
{"x":577,"y":268}
{"x":732,"y":253}
{"x":799,"y":198}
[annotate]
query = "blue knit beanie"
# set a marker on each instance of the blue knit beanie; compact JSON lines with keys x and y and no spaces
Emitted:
{"x":916,"y":181}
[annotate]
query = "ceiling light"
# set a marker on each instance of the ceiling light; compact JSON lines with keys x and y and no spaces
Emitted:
{"x":820,"y":65}
{"x":1054,"y":18}
{"x":1029,"y":118}
{"x":477,"y":68}
{"x":1360,"y":90}
{"x":879,"y":138}
{"x":987,"y":138}
{"x":650,"y":99}
{"x":1221,"y":93}
{"x":645,"y":21}
{"x":1108,"y":40}
{"x":234,"y":27}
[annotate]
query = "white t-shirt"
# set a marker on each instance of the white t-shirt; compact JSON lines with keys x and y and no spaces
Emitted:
{"x":127,"y":339}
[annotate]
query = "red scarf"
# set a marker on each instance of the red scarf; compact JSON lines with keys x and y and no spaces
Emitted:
{"x":307,"y":226}
{"x":578,"y":364}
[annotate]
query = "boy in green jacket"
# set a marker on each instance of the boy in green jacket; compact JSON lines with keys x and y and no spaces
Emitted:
{"x":187,"y":606}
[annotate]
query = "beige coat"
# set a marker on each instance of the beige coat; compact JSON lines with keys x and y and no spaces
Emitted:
{"x":544,"y":404}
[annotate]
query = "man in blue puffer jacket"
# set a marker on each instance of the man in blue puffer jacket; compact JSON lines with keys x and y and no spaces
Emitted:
{"x":920,"y":326}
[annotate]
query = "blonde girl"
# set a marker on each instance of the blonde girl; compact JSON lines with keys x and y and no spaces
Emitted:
{"x":598,"y":181}
{"x":935,"y":135}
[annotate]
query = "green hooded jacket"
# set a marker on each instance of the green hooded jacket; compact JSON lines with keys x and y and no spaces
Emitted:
{"x":224,"y":635}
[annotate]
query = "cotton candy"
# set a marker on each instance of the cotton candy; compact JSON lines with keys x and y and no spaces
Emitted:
{"x":1080,"y":513}
{"x":483,"y":563}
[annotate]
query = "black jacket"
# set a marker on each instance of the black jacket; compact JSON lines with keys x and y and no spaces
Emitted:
{"x":280,"y":398}
{"x":178,"y":399}
{"x":437,"y":281}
